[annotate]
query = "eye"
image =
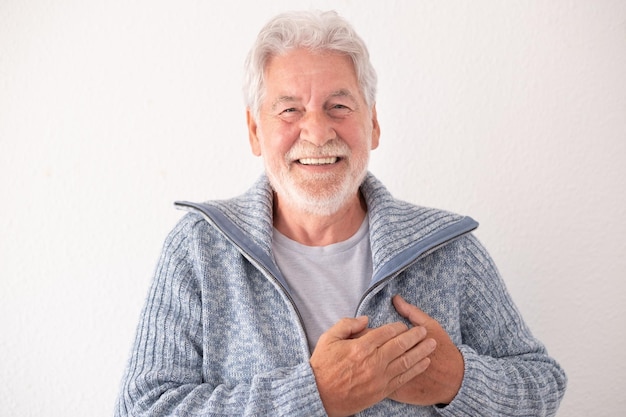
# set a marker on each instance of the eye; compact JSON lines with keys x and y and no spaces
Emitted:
{"x":339,"y":110}
{"x":289,"y":114}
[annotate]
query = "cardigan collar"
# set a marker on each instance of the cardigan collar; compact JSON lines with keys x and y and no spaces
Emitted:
{"x":400,"y":232}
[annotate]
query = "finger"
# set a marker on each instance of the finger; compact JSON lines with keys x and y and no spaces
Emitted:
{"x":346,"y":328}
{"x":381,"y":335}
{"x":402,"y":344}
{"x":402,"y":379}
{"x":412,"y":362}
{"x":363,"y":333}
{"x":416,"y":316}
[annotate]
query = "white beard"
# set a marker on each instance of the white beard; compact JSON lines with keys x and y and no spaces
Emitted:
{"x":323,"y":194}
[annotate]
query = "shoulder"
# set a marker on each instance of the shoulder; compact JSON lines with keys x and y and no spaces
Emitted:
{"x":381,"y":203}
{"x":190,"y":225}
{"x":191,"y":235}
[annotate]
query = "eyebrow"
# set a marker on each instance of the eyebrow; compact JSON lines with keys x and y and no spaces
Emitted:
{"x":282,"y":99}
{"x":343,"y":93}
{"x":339,"y":93}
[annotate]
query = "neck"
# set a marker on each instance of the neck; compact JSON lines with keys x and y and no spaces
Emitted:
{"x":314,"y":230}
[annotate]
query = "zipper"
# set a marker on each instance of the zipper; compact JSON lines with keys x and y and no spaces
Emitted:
{"x":256,"y":263}
{"x":380,"y":283}
{"x":466,"y":225}
{"x":268,"y":274}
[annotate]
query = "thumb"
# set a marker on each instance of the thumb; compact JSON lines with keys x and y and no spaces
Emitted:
{"x":416,"y":316}
{"x":348,"y":327}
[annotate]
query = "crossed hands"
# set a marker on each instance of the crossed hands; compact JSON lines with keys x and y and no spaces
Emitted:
{"x":356,"y":367}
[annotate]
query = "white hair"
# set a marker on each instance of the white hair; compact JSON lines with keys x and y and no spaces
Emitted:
{"x":312,"y":30}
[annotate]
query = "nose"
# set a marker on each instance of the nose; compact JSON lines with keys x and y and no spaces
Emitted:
{"x":316,"y":128}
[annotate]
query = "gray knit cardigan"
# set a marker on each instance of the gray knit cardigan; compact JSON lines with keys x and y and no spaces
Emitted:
{"x":220,"y":335}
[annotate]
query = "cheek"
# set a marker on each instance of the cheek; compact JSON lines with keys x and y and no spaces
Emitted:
{"x":274,"y":145}
{"x":281,"y":139}
{"x":357,"y":138}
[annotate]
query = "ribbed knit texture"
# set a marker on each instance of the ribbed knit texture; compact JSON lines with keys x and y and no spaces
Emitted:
{"x":219,"y":335}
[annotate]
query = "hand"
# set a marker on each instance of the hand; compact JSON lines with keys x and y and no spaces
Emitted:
{"x":356,"y":367}
{"x":442,"y":380}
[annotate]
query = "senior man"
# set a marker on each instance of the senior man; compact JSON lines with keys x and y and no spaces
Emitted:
{"x":316,"y":292}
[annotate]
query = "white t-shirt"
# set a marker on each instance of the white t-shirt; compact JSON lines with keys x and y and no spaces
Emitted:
{"x":326,"y":282}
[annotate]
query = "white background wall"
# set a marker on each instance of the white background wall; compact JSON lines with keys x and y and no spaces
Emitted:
{"x":513,"y":112}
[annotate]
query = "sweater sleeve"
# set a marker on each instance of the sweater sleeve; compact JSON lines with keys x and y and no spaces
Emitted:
{"x":164,"y":376}
{"x":508,"y":372}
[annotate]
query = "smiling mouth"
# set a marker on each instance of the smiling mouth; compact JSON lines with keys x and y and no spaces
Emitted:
{"x":318,"y":161}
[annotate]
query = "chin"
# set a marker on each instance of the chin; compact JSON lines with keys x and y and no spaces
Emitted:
{"x":317,"y":199}
{"x":324,"y":207}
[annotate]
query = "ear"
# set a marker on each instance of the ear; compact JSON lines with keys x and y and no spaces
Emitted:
{"x":375,"y":128}
{"x":252,"y":133}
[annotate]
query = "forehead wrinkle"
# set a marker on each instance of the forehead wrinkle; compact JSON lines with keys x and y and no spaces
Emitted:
{"x":338,"y":93}
{"x":342,"y":92}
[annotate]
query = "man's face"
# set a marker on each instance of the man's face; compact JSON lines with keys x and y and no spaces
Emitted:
{"x":314,"y":130}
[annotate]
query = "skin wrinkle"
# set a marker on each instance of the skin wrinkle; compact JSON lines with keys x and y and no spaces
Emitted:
{"x":314,"y":108}
{"x":292,"y":99}
{"x":404,"y":350}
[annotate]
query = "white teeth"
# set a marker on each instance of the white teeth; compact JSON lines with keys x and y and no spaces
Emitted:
{"x":318,"y":161}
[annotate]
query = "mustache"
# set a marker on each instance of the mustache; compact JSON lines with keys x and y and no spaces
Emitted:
{"x":303,"y":149}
